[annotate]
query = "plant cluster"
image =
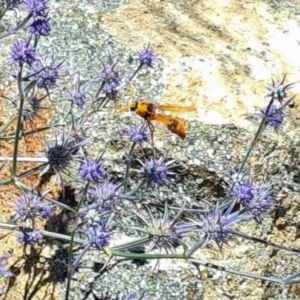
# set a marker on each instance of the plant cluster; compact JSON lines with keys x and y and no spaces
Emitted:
{"x":177,"y":232}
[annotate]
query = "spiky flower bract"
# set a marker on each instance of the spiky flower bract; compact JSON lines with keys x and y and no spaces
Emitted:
{"x":244,"y":192}
{"x":23,"y":53}
{"x":37,"y":8}
{"x":277,"y":91}
{"x":165,"y":233}
{"x":30,"y":206}
{"x":155,"y":171}
{"x":216,"y":225}
{"x":138,"y":134}
{"x":32,"y":110}
{"x":31,"y":237}
{"x":77,"y":96}
{"x":108,"y":196}
{"x":47,"y":76}
{"x":274,"y":117}
{"x":261,"y":204}
{"x":146,"y":57}
{"x":40,"y":27}
{"x":110,"y":89}
{"x":110,"y":71}
{"x":61,"y":153}
{"x":92,"y":170}
{"x":98,"y":235}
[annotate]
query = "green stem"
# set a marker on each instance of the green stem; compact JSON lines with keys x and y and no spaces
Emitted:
{"x":4,"y":127}
{"x":31,"y":171}
{"x":231,"y":271}
{"x":196,"y":247}
{"x":6,"y":181}
{"x":132,"y":244}
{"x":146,"y":256}
{"x":17,"y":135}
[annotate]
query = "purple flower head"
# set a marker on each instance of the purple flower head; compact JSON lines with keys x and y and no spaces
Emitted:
{"x":77,"y":96}
{"x":146,"y":57}
{"x":261,"y":203}
{"x":110,"y":89}
{"x":98,"y":235}
{"x":29,"y":206}
{"x":40,"y":27}
{"x":48,"y":76}
{"x":277,"y":91}
{"x":165,"y":233}
{"x":92,"y":170}
{"x":37,"y":8}
{"x":108,"y":196}
{"x":23,"y":53}
{"x":274,"y":117}
{"x":110,"y":72}
{"x":244,"y":192}
{"x":61,"y":152}
{"x":216,"y":225}
{"x":31,"y":237}
{"x":3,"y":272}
{"x":138,"y":134}
{"x":32,"y":110}
{"x":155,"y":171}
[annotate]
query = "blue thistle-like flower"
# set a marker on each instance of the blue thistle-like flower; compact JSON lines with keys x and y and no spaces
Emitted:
{"x":274,"y":117}
{"x":77,"y":96}
{"x":138,"y":134}
{"x":92,"y":170}
{"x":108,"y":196}
{"x":23,"y":53}
{"x":98,"y":235}
{"x":3,"y":272}
{"x":110,"y":71}
{"x":261,"y":203}
{"x":216,"y":225}
{"x":40,"y":27}
{"x":61,"y":153}
{"x":244,"y":192}
{"x":47,"y":77}
{"x":146,"y":57}
{"x":277,"y":91}
{"x":155,"y":171}
{"x":165,"y":233}
{"x":37,"y":8}
{"x":29,"y":206}
{"x":110,"y":89}
{"x":31,"y":237}
{"x":32,"y":110}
